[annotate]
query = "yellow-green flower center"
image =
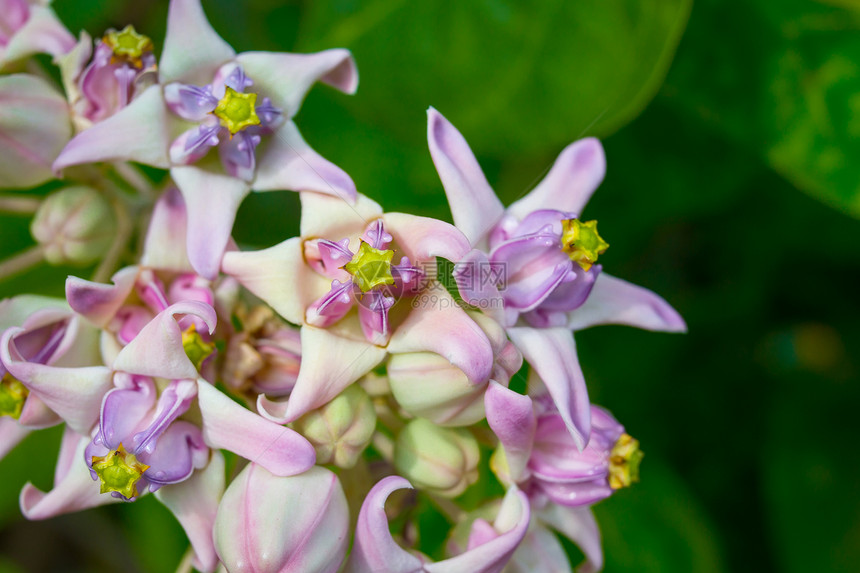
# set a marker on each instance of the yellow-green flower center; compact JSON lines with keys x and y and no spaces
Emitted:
{"x":127,"y":44}
{"x":13,"y":394}
{"x":624,"y":460}
{"x":119,"y":471}
{"x":237,"y":110}
{"x":581,"y":242}
{"x":370,"y":267}
{"x":197,"y":349}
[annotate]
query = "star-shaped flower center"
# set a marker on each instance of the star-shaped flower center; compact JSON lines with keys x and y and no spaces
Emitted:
{"x":624,"y":460}
{"x":119,"y":471}
{"x":197,"y":349}
{"x":13,"y":394}
{"x":581,"y":242}
{"x":128,"y":45}
{"x":370,"y":267}
{"x":237,"y":110}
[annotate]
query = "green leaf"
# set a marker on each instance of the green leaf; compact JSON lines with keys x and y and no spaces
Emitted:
{"x":514,"y":77}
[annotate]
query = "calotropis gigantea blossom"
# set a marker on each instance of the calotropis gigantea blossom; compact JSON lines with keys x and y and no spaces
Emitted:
{"x":243,"y":105}
{"x":344,"y":333}
{"x":549,"y":282}
{"x":489,"y":547}
{"x":29,"y":27}
{"x":34,"y":128}
{"x":272,"y":524}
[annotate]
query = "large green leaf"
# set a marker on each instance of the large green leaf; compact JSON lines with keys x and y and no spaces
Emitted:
{"x":517,"y":77}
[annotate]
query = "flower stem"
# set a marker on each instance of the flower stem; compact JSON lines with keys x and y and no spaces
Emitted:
{"x":21,"y":262}
{"x":123,"y":234}
{"x":19,"y":204}
{"x":133,"y":178}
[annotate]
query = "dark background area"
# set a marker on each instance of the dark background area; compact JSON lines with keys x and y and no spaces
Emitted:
{"x":732,"y":135}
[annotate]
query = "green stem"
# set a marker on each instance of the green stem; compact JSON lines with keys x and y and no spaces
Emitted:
{"x":123,"y":233}
{"x":21,"y":262}
{"x":19,"y":204}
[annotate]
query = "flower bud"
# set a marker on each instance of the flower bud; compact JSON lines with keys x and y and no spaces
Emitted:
{"x":340,"y":430}
{"x":428,"y":385}
{"x":444,"y":460}
{"x":271,"y":524}
{"x":75,"y":225}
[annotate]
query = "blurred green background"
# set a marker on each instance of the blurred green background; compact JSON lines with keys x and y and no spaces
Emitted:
{"x":732,"y":134}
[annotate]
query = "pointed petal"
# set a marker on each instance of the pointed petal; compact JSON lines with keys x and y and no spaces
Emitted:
{"x":212,"y":200}
{"x":287,"y":78}
{"x":474,"y":204}
{"x":157,"y":350}
{"x":437,"y":324}
{"x":512,"y":419}
{"x":568,"y":186}
{"x":167,"y":228}
{"x":286,"y":161}
{"x":193,"y":51}
{"x":279,"y":276}
{"x":330,"y":363}
{"x":98,"y":302}
{"x":43,"y":33}
{"x":374,"y":549}
{"x":138,"y":132}
{"x":540,"y":552}
{"x":11,"y":434}
{"x":229,"y":426}
{"x":615,"y":301}
{"x":423,"y":239}
{"x":194,"y":503}
{"x":326,"y":217}
{"x":578,"y":525}
{"x":75,"y":491}
{"x":552,"y":354}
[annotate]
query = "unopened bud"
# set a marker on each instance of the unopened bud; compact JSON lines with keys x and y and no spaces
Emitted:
{"x":74,"y":225}
{"x":443,"y":460}
{"x":340,"y":430}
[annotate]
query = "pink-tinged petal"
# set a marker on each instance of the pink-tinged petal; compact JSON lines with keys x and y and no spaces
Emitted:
{"x":540,"y":552}
{"x":279,"y":276}
{"x":615,"y":301}
{"x":534,"y":267}
{"x":138,"y":132}
{"x":552,"y":354}
{"x":167,"y":228}
{"x":14,"y":311}
{"x":474,"y":204}
{"x":332,"y":306}
{"x":212,"y":200}
{"x":578,"y":525}
{"x":476,"y":279}
{"x":193,"y":51}
{"x":446,"y":329}
{"x":34,"y":127}
{"x":330,"y":363}
{"x":512,"y":419}
{"x":374,"y":549}
{"x":229,"y":426}
{"x":157,"y":350}
{"x":42,"y":33}
{"x":181,"y":450}
{"x":491,"y":557}
{"x":297,"y":524}
{"x":190,"y":102}
{"x":99,"y":302}
{"x":74,"y":490}
{"x":568,"y":186}
{"x":286,"y":161}
{"x":11,"y":434}
{"x":287,"y":78}
{"x":239,"y":155}
{"x":36,"y":415}
{"x":194,"y":503}
{"x":327,"y":217}
{"x":373,"y":317}
{"x":195,"y":143}
{"x":423,"y":239}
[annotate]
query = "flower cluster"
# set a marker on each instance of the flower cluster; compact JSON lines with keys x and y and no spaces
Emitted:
{"x":323,"y":361}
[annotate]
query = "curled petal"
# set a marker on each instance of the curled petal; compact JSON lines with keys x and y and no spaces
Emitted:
{"x":239,"y":156}
{"x":540,"y":552}
{"x":97,"y":302}
{"x":125,"y":409}
{"x":332,"y":306}
{"x":615,"y":301}
{"x":180,"y":451}
{"x":11,"y":434}
{"x":423,"y":239}
{"x":193,"y":51}
{"x":578,"y":525}
{"x":167,"y":228}
{"x":195,"y":143}
{"x":552,"y":353}
{"x":229,"y":426}
{"x":512,"y":419}
{"x":42,"y":33}
{"x":286,"y":78}
{"x":534,"y":267}
{"x":194,"y":503}
{"x":190,"y":102}
{"x":474,"y":205}
{"x":568,"y":186}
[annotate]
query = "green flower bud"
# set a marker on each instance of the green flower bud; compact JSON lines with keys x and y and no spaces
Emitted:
{"x":75,"y":225}
{"x":442,"y":460}
{"x":340,"y":430}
